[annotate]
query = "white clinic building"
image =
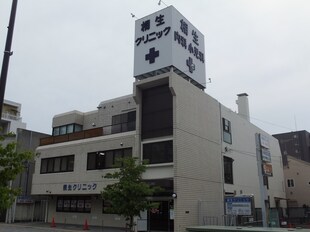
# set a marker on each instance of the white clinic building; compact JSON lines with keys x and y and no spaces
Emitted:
{"x":198,"y":150}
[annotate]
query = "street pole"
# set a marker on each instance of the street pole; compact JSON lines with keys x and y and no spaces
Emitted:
{"x":7,"y":54}
{"x":260,"y":179}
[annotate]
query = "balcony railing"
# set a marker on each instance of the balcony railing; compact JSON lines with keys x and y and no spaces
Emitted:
{"x":11,"y":117}
{"x":96,"y":132}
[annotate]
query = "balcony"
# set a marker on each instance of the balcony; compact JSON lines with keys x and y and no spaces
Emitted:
{"x":8,"y":116}
{"x":91,"y":133}
{"x":72,"y":136}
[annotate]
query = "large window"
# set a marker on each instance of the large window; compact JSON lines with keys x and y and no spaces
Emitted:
{"x":124,"y":122}
{"x":67,"y":129}
{"x":106,"y":159}
{"x":227,"y":131}
{"x":57,"y":164}
{"x":76,"y":204}
{"x":228,"y":170}
{"x":159,"y":152}
{"x":157,"y":113}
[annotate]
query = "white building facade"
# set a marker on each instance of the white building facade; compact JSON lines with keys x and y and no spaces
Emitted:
{"x":174,"y":125}
{"x":198,"y":151}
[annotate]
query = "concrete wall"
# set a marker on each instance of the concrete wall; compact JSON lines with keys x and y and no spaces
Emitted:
{"x":243,"y":151}
{"x":197,"y":154}
{"x":51,"y":184}
{"x":297,"y":170}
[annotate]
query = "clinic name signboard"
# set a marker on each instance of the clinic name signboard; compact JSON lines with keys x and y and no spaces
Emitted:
{"x":242,"y":205}
{"x":166,"y":38}
{"x":79,"y":187}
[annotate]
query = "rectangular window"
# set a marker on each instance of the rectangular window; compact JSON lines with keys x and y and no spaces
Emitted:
{"x":228,"y":170}
{"x":227,"y":131}
{"x":124,"y":122}
{"x":70,"y":128}
{"x":73,"y":207}
{"x":73,"y":204}
{"x":290,"y":183}
{"x":106,"y":159}
{"x":91,"y":161}
{"x":57,"y":164}
{"x":63,"y":130}
{"x":56,"y":131}
{"x":66,"y":129}
{"x":157,"y":113}
{"x":44,"y":165}
{"x":70,"y":163}
{"x":159,"y":152}
{"x":50,"y":165}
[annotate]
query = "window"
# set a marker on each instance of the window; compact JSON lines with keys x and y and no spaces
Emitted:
{"x":157,"y":113}
{"x":56,"y":131}
{"x":106,"y":159}
{"x":66,"y":129}
{"x":228,"y":170}
{"x":124,"y":122}
{"x":57,"y":164}
{"x":227,"y":131}
{"x":73,"y":204}
{"x":290,"y":183}
{"x":160,"y":152}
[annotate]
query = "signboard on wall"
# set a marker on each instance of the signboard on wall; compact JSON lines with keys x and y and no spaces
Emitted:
{"x":166,"y":38}
{"x":266,"y":155}
{"x":267,"y":169}
{"x":242,"y":205}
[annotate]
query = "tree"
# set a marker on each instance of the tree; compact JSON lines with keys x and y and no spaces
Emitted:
{"x":11,"y":164}
{"x":128,"y":196}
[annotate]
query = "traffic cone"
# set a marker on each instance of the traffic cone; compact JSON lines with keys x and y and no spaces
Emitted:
{"x":85,"y":227}
{"x":53,"y":223}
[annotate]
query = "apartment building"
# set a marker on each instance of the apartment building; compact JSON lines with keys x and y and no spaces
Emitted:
{"x":25,"y":208}
{"x":295,"y":144}
{"x":11,"y":117}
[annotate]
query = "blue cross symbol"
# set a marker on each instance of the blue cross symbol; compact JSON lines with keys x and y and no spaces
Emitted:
{"x":152,"y":55}
{"x":190,"y":64}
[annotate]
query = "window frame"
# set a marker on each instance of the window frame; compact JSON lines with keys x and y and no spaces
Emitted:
{"x":151,"y":162}
{"x":228,"y":161}
{"x":227,"y":134}
{"x":101,"y":164}
{"x":67,"y":129}
{"x":51,"y":161}
{"x":290,"y":183}
{"x":60,"y":207}
{"x":123,"y":122}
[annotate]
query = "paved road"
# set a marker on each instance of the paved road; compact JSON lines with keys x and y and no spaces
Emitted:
{"x":44,"y":227}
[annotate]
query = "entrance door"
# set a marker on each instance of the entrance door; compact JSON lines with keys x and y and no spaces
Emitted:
{"x":161,"y":218}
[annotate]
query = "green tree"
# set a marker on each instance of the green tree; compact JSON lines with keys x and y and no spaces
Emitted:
{"x":11,"y":164}
{"x":128,"y":196}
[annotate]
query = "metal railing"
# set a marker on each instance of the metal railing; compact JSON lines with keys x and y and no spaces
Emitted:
{"x":11,"y":117}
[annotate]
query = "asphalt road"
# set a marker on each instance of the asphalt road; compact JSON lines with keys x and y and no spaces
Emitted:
{"x":44,"y":227}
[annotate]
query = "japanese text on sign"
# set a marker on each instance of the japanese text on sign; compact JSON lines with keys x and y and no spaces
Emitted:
{"x":79,"y":187}
{"x":146,"y":25}
{"x":182,"y":40}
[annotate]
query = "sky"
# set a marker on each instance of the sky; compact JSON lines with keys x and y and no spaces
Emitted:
{"x":73,"y":54}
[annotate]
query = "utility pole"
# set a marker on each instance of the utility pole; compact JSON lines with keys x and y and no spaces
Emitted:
{"x":7,"y":54}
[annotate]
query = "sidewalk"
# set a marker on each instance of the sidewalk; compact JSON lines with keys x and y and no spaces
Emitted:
{"x":64,"y":227}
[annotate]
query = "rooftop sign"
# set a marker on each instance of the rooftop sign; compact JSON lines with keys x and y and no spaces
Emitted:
{"x":166,"y":38}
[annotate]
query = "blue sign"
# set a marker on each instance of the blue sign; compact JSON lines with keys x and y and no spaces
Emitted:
{"x":239,"y":205}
